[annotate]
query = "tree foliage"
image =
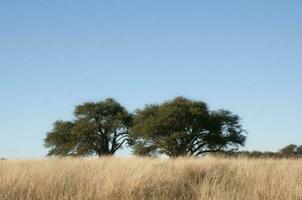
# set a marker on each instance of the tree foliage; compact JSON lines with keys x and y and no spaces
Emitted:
{"x":185,"y":127}
{"x":99,"y":128}
{"x":291,"y":150}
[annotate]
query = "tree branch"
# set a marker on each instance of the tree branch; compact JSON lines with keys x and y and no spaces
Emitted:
{"x":123,"y":133}
{"x":120,"y":144}
{"x":122,"y":137}
{"x":200,"y":145}
{"x":211,"y":151}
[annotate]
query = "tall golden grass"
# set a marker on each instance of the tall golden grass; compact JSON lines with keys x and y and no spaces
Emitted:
{"x":146,"y":178}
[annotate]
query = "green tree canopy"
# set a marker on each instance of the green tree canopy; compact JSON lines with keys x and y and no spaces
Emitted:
{"x":299,"y":150}
{"x":185,"y":127}
{"x":99,"y":128}
{"x":289,"y":150}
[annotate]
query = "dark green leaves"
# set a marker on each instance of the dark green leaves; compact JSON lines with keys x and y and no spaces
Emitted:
{"x":99,"y":128}
{"x":185,"y":127}
{"x":60,"y":139}
{"x":175,"y":128}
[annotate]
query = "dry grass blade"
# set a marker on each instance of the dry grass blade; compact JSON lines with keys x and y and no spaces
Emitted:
{"x":144,"y":178}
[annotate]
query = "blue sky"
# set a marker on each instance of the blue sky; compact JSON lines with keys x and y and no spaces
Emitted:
{"x":244,"y":56}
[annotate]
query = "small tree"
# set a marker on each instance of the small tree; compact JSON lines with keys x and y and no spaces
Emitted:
{"x":289,"y":150}
{"x":99,"y":128}
{"x":299,"y":151}
{"x":185,"y":127}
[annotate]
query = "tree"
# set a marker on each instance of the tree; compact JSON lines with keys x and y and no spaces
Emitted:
{"x":184,"y":127}
{"x":289,"y":150}
{"x":99,"y":128}
{"x":299,"y":151}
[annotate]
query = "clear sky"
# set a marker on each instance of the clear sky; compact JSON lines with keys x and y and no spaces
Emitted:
{"x":245,"y":56}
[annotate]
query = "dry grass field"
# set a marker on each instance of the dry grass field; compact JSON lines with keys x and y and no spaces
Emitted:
{"x":146,"y":178}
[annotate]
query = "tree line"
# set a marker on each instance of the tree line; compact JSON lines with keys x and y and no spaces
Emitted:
{"x":289,"y":151}
{"x":177,"y":127}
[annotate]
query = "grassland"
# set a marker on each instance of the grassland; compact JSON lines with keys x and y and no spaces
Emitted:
{"x":146,"y":178}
